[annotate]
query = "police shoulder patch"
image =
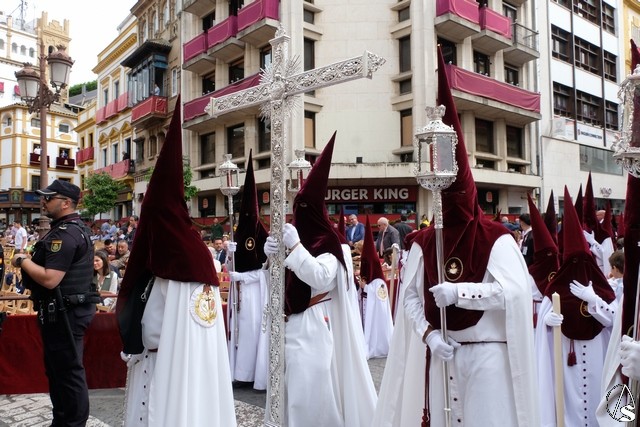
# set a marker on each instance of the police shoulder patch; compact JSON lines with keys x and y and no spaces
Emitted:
{"x":56,"y":245}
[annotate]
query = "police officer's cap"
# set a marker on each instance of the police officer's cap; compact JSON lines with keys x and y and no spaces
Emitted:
{"x":63,"y":188}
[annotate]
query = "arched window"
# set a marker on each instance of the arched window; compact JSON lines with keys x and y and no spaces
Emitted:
{"x":32,"y":52}
{"x":6,"y":120}
{"x":14,"y":47}
{"x":23,"y":50}
{"x":1,"y":44}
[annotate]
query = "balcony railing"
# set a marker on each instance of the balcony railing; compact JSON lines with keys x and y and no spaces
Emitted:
{"x":118,"y":170}
{"x":100,"y":115}
{"x":65,"y":163}
{"x":223,"y":31}
{"x":466,"y":9}
{"x":525,"y":36}
{"x":256,"y":24}
{"x":122,"y":102}
{"x":195,"y":108}
{"x":34,"y":159}
{"x":479,"y":85}
{"x":195,"y":47}
{"x":85,"y":155}
{"x":110,"y":109}
{"x":150,"y":107}
{"x":491,"y":20}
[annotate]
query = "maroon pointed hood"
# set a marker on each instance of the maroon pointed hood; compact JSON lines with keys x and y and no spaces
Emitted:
{"x":251,"y":234}
{"x":370,"y":268}
{"x":589,"y":218}
{"x":315,"y":229}
{"x":545,"y":258}
{"x":551,"y":219}
{"x":577,"y":264}
{"x":579,"y":206}
{"x":164,"y":235}
{"x":468,"y":236}
{"x":341,"y":229}
{"x":620,"y":230}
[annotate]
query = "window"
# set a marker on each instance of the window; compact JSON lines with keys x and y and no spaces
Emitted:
{"x":309,"y":54}
{"x":589,"y":108}
{"x":6,"y":120}
{"x":514,"y":142}
{"x":560,"y":40}
{"x":449,"y":52}
{"x":174,"y":82}
{"x":598,"y":160}
{"x":236,"y":71}
{"x":405,"y":54}
{"x":14,"y":47}
{"x":235,"y":141}
{"x":139,"y":150}
{"x":116,"y":89}
{"x":565,"y":3}
{"x":510,"y":11}
{"x":309,"y":129}
{"x":153,"y":147}
{"x":35,"y":122}
{"x":484,"y":136}
{"x":562,"y":100}
{"x":208,"y":149}
{"x":266,"y":57}
{"x":209,"y":21}
{"x":1,"y":44}
{"x":35,"y":182}
{"x":104,"y":158}
{"x":587,"y":55}
{"x":23,"y":50}
{"x":105,"y":96}
{"x":611,"y":112}
{"x":588,"y":9}
{"x":610,"y":68}
{"x":264,"y":135}
{"x":406,"y":128}
{"x":115,"y":153}
{"x":165,"y":13}
{"x":208,"y":84}
{"x":511,"y":75}
{"x":32,"y":53}
{"x":608,"y":18}
{"x":64,"y":128}
{"x":308,"y":16}
{"x":481,"y":63}
{"x":404,"y":14}
{"x":404,"y":86}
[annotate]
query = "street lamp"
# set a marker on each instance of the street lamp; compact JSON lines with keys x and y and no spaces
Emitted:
{"x":436,"y":170}
{"x":298,"y":168}
{"x":627,"y":147}
{"x":34,"y":90}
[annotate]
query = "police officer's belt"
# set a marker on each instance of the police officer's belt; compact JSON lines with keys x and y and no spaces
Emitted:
{"x":77,"y":299}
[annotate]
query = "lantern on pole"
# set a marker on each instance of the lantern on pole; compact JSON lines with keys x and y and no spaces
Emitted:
{"x":298,"y":169}
{"x":627,"y":147}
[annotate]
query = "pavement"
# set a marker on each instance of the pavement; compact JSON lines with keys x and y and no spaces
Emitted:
{"x":107,"y":405}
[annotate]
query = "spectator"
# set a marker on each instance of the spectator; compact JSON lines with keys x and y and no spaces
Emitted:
{"x":387,"y":236}
{"x":216,"y":229}
{"x":104,"y":279}
{"x":403,"y":229}
{"x":355,"y":230}
{"x":122,"y":257}
{"x":21,"y":237}
{"x":220,"y":254}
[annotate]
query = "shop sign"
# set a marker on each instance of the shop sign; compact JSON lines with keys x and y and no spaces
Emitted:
{"x":372,"y":194}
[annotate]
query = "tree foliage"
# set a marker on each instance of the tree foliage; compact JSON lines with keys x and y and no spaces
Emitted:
{"x":77,"y":89}
{"x":102,"y":195}
{"x":190,"y":191}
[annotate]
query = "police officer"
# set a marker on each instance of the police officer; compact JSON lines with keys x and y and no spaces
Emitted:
{"x":59,"y":274}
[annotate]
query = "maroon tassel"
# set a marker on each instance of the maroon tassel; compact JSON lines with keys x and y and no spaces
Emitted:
{"x":571,"y":358}
{"x":426,"y":419}
{"x":535,"y":320}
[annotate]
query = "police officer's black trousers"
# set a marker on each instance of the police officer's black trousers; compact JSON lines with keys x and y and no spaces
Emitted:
{"x":67,"y":379}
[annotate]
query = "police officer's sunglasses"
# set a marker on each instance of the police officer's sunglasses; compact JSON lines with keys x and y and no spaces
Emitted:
{"x":49,"y":198}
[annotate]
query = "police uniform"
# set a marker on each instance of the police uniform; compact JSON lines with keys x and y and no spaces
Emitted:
{"x":67,"y":247}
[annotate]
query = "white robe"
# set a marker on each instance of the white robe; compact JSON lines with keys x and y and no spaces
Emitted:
{"x":582,"y":381}
{"x":378,"y":324}
{"x":187,"y":381}
{"x":249,"y":357}
{"x":505,"y":372}
{"x":327,"y":379}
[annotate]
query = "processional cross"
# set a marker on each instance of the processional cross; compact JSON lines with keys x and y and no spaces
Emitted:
{"x":279,"y":83}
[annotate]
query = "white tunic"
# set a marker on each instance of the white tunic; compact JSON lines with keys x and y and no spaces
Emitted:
{"x":187,"y":381}
{"x":327,"y":379}
{"x":378,"y":324}
{"x":491,"y":384}
{"x":249,"y":356}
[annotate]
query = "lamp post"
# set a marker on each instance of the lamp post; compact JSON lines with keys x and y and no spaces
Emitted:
{"x":34,"y":90}
{"x":229,"y":187}
{"x":436,"y":170}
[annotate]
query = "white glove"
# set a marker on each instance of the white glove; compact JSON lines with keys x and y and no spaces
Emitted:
{"x":585,"y":293}
{"x":553,"y":319}
{"x":231,"y":247}
{"x":591,"y":240}
{"x":131,"y":359}
{"x":271,"y":247}
{"x":445,"y":294}
{"x":236,"y":276}
{"x":395,"y":246}
{"x":440,"y":348}
{"x":290,"y":236}
{"x":630,"y":357}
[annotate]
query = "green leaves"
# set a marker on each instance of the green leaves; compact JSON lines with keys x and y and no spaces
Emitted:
{"x":103,"y":193}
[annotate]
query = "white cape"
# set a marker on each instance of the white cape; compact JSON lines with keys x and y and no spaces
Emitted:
{"x":378,"y":323}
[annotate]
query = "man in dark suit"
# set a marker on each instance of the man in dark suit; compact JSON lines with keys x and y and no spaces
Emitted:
{"x":526,"y":244}
{"x":387,"y":236}
{"x":220,"y":253}
{"x":403,"y":229}
{"x":355,"y":231}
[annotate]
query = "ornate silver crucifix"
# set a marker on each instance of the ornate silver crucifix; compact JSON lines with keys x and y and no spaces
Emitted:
{"x":279,"y":83}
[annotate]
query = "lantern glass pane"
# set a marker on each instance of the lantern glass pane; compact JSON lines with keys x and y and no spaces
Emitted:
{"x":444,"y":156}
{"x":635,"y":122}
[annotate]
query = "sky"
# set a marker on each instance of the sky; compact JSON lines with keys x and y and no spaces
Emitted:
{"x":92,"y":26}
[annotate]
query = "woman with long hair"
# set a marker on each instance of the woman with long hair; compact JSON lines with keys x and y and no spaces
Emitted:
{"x":104,"y":279}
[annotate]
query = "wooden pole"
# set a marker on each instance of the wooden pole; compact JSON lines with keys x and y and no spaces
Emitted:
{"x":558,"y":364}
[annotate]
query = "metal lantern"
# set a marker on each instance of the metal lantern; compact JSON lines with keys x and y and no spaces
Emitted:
{"x":436,"y":166}
{"x":228,"y":177}
{"x":298,"y":170}
{"x":28,"y":82}
{"x":627,"y":147}
{"x":59,"y":68}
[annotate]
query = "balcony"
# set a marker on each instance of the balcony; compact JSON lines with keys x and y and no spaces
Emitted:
{"x":199,"y":7}
{"x":34,"y":160}
{"x":492,"y":99}
{"x":65,"y":163}
{"x":196,"y":119}
{"x":100,"y":115}
{"x":195,"y":54}
{"x":258,"y":21}
{"x":223,"y":43}
{"x":457,"y":19}
{"x":122,"y":102}
{"x":495,"y":32}
{"x":524,"y":47}
{"x":85,"y":155}
{"x":111,"y":109}
{"x":150,"y":111}
{"x":118,"y":170}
